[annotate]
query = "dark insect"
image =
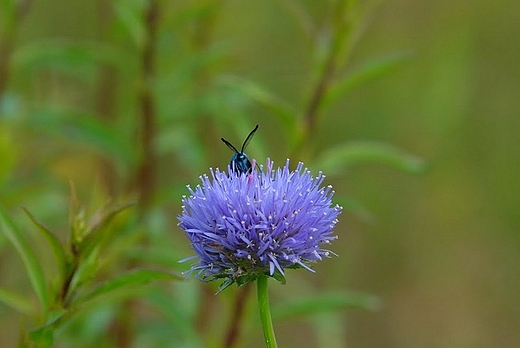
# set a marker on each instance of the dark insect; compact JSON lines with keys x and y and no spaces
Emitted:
{"x":240,"y":162}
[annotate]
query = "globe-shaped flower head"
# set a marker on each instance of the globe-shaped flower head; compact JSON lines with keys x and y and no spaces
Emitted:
{"x":245,"y":225}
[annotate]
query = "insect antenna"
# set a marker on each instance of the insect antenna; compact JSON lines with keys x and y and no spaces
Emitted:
{"x":248,"y":139}
{"x":229,"y":145}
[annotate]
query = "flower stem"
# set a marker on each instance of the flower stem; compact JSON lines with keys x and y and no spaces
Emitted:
{"x":265,"y":313}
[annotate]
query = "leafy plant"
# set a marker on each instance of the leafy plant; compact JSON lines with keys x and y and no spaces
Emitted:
{"x":77,"y":285}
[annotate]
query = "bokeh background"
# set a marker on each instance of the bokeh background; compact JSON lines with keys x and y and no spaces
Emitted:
{"x":132,"y":109}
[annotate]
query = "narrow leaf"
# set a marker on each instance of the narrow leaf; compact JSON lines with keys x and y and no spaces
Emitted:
{"x":31,"y":263}
{"x":45,"y":331}
{"x":175,"y":315}
{"x":42,"y":338}
{"x":224,"y":285}
{"x":16,"y":302}
{"x":85,"y":129}
{"x":302,"y":16}
{"x":70,"y":56}
{"x":131,"y":18}
{"x":366,"y":73}
{"x":355,"y":153}
{"x":285,"y":113}
{"x":355,"y":207}
{"x":83,"y":273}
{"x":279,"y":277}
{"x":325,"y":303}
{"x":101,"y":219}
{"x":55,"y":244}
{"x":131,"y":279}
{"x":96,"y":233}
{"x":9,"y":149}
{"x":161,"y":256}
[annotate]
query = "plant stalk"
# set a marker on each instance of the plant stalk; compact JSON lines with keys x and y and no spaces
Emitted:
{"x":265,"y":312}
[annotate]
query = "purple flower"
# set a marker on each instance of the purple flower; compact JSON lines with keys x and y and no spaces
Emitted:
{"x":243,"y":225}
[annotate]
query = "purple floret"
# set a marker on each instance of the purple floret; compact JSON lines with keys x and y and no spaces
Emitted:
{"x":243,"y":225}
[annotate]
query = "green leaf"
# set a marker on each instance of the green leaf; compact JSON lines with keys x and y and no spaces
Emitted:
{"x":95,"y":233}
{"x":9,"y":152}
{"x":55,"y":244}
{"x":284,"y":112}
{"x":366,"y":73}
{"x":355,"y":153}
{"x":302,"y":16}
{"x":176,"y":316}
{"x":356,"y":207}
{"x":83,"y":128}
{"x":8,"y":16}
{"x":82,"y":57}
{"x":325,"y":303}
{"x":54,"y":316}
{"x":131,"y":18}
{"x":16,"y":302}
{"x":128,"y":280}
{"x":42,"y":338}
{"x":84,"y":272}
{"x":161,"y":256}
{"x":185,"y":142}
{"x":31,"y":263}
{"x":224,"y":285}
{"x":279,"y":277}
{"x":44,"y":335}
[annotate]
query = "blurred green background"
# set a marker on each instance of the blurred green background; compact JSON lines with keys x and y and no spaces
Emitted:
{"x":440,"y":250}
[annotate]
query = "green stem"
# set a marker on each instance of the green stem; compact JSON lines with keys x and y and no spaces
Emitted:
{"x":265,"y":313}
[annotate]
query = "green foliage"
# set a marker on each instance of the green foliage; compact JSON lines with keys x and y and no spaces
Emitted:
{"x":7,"y":15}
{"x":79,"y":264}
{"x":16,"y":302}
{"x":129,"y":16}
{"x":79,"y":58}
{"x":369,"y":71}
{"x":334,"y":160}
{"x":125,"y":281}
{"x":8,"y":153}
{"x":325,"y":302}
{"x":29,"y":259}
{"x":133,"y":106}
{"x":57,"y":249}
{"x":285,"y":115}
{"x":83,"y":129}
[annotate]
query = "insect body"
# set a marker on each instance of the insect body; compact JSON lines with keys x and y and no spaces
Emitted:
{"x":240,"y":162}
